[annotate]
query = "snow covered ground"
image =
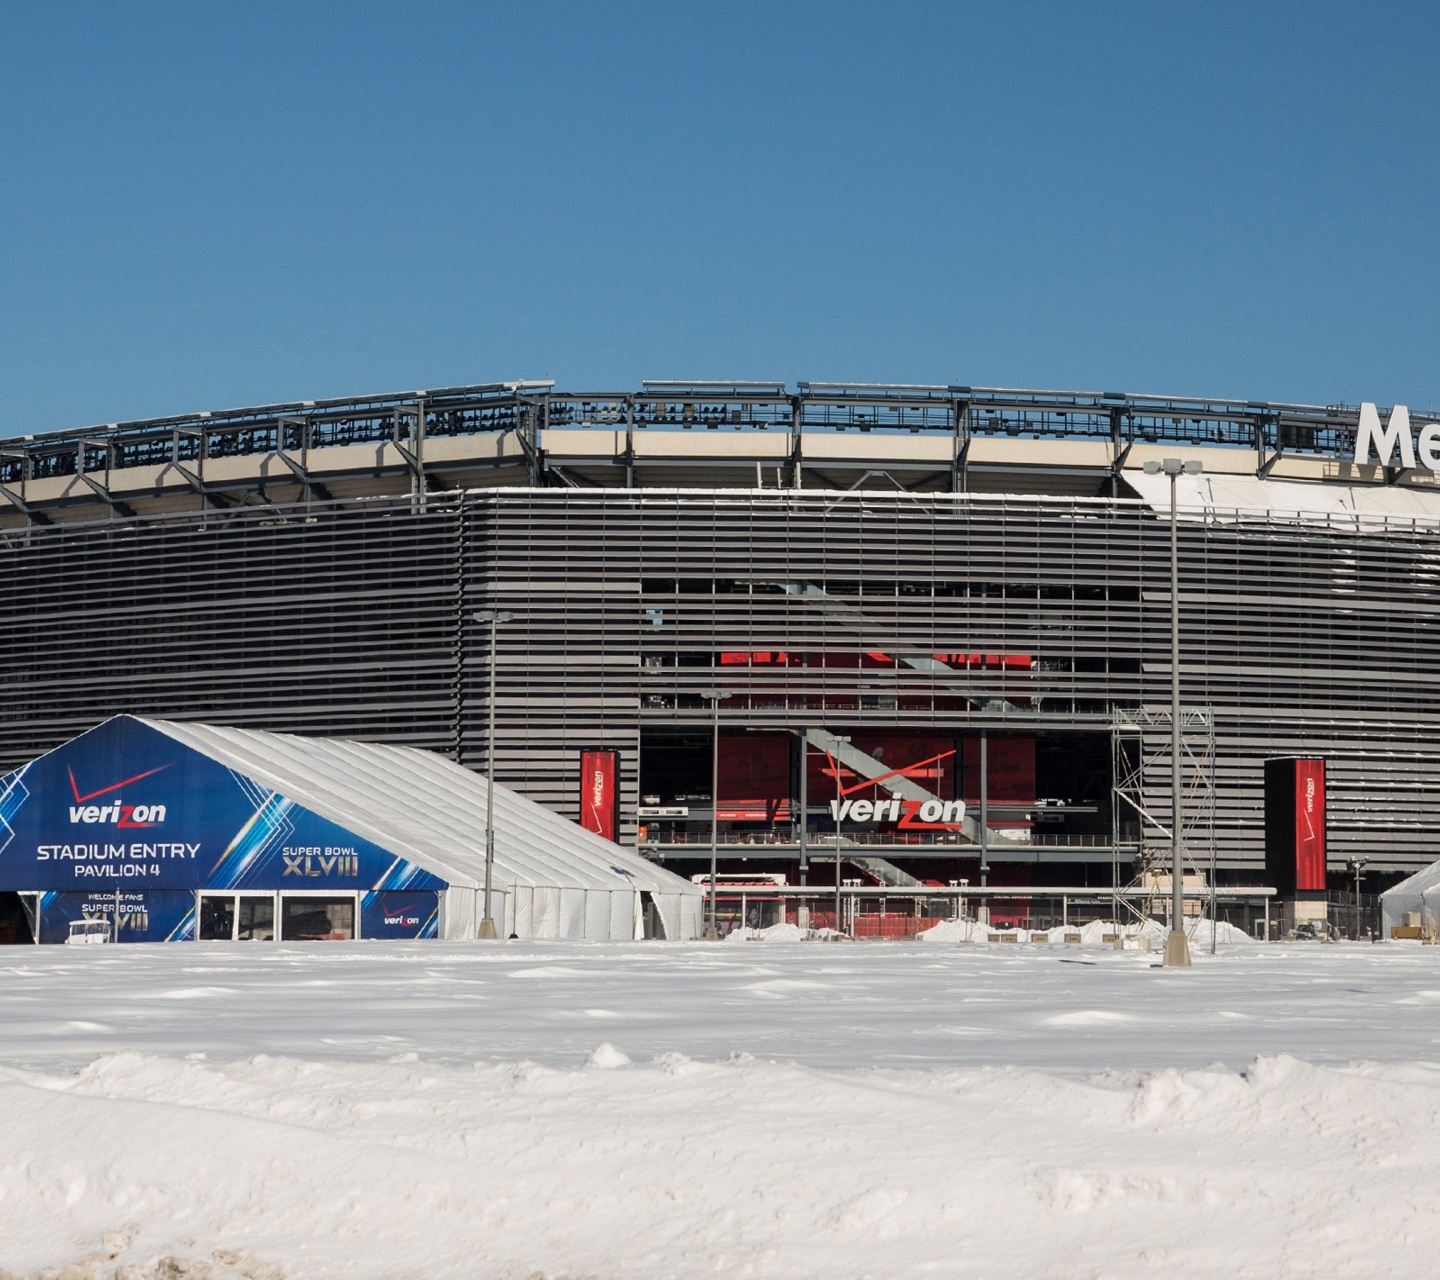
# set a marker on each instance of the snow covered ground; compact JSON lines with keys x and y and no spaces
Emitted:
{"x":761,"y":1109}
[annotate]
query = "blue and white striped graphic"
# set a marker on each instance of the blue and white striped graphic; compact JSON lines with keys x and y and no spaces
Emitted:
{"x":267,"y":829}
{"x":12,"y":795}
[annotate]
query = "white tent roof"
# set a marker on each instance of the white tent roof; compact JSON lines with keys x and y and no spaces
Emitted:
{"x":428,"y":809}
{"x":1415,"y":893}
{"x":1228,"y":498}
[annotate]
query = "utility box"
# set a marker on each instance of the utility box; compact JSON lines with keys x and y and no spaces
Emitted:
{"x":1295,"y":833}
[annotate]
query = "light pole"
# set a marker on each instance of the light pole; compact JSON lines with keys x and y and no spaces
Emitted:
{"x":1177,"y":946}
{"x":982,"y":909}
{"x":714,"y":697}
{"x":835,"y":764}
{"x":487,"y":925}
{"x":1357,"y":868}
{"x":803,"y":911}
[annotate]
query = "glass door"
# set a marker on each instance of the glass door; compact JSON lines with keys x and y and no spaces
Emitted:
{"x":317,"y":918}
{"x":217,"y":917}
{"x":255,"y":918}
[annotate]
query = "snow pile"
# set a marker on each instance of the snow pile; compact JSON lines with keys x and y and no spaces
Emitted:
{"x":607,"y":1057}
{"x":774,"y":933}
{"x":956,"y":931}
{"x":1092,"y":933}
{"x":894,"y":1004}
{"x":1226,"y":934}
{"x":438,"y":1110}
{"x":277,"y":1166}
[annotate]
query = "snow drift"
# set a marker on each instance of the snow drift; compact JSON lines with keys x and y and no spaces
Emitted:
{"x":677,"y":1168}
{"x":437,"y":1110}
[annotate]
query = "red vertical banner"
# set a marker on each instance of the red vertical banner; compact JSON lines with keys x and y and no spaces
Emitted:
{"x":600,"y":792}
{"x":1310,"y":826}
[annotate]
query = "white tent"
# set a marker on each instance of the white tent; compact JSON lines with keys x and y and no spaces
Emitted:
{"x":1420,"y":893}
{"x":553,"y":879}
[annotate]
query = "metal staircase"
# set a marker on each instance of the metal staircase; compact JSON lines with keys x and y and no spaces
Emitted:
{"x":866,"y":766}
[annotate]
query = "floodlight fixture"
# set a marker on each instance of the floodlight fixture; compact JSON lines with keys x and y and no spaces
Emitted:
{"x":1174,"y":466}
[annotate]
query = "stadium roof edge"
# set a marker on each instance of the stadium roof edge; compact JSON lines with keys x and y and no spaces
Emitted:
{"x":269,"y":412}
{"x":650,"y":388}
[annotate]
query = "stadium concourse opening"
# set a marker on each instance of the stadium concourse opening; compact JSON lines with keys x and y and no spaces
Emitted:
{"x":174,"y":831}
{"x":906,"y":809}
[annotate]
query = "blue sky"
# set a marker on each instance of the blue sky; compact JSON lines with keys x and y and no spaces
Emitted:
{"x":204,"y":206}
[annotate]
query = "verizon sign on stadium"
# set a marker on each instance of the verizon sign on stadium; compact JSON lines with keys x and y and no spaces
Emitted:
{"x":913,"y":815}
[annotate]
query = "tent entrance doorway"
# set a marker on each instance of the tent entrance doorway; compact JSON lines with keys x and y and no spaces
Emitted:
{"x":651,"y":921}
{"x":17,"y":918}
{"x":264,"y":917}
{"x":316,"y":917}
{"x":239,"y":917}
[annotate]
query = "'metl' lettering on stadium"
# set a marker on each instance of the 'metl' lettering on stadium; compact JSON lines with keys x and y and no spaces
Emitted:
{"x":906,"y":814}
{"x":1395,"y":437}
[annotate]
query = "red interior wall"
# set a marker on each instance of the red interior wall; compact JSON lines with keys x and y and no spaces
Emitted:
{"x":1011,"y":768}
{"x":755,"y":778}
{"x":907,"y":752}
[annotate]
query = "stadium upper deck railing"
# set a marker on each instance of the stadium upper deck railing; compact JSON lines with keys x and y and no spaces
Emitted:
{"x":528,"y":408}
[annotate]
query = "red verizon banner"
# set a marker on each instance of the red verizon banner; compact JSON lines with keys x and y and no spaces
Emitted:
{"x":1310,"y":826}
{"x":600,"y":793}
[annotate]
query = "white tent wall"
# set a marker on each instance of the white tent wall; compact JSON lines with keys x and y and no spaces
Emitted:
{"x":425,"y":808}
{"x":668,"y":905}
{"x":545,"y":912}
{"x":1420,"y":892}
{"x":572,"y":913}
{"x":692,"y":915}
{"x":597,"y":915}
{"x":459,"y":915}
{"x":1430,"y":911}
{"x":623,"y":908}
{"x":591,"y":915}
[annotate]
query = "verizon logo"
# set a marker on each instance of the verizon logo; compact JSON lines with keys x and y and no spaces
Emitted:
{"x":120,"y":815}
{"x":909,"y":814}
{"x":117,"y":814}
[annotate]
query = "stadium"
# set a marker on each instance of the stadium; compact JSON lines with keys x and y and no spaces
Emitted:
{"x":913,"y":635}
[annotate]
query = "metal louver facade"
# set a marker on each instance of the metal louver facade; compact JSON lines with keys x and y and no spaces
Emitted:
{"x":353,"y":618}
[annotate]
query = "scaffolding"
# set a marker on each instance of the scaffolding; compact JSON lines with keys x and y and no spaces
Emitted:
{"x":1140,"y":746}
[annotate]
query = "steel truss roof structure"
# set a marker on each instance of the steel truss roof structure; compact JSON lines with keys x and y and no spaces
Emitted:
{"x":921,"y":438}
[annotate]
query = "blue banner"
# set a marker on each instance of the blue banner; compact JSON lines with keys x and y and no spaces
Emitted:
{"x":411,"y":914}
{"x":128,"y":807}
{"x":158,"y":915}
